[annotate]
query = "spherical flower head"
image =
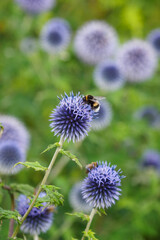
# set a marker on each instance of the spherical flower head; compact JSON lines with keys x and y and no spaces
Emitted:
{"x":36,"y":6}
{"x":28,"y":45}
{"x":38,"y":220}
{"x":154,"y":39}
{"x":10,"y":154}
{"x":71,"y":118}
{"x":149,"y":113}
{"x":95,"y":41}
{"x":103,"y":117}
{"x":108,"y":76}
{"x":101,"y":187}
{"x":137,"y":60}
{"x":76,"y":200}
{"x":55,"y":35}
{"x":14,"y":130}
{"x":151,"y":159}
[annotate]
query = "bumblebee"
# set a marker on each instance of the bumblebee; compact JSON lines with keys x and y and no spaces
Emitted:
{"x":93,"y":102}
{"x":91,"y":166}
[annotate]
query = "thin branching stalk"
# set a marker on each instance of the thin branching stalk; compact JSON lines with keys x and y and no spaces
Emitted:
{"x":11,"y":224}
{"x":40,"y":188}
{"x":93,"y":212}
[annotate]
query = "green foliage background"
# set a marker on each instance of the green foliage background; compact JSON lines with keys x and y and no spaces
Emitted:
{"x":29,"y":85}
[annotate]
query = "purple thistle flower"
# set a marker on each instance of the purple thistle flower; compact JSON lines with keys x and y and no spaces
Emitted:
{"x":55,"y":35}
{"x":14,"y":130}
{"x":148,"y":113}
{"x":154,"y":39}
{"x":108,"y":76}
{"x":103,"y":117}
{"x":36,"y":6}
{"x":137,"y":60}
{"x":10,"y":154}
{"x":76,"y":200}
{"x":101,"y":187}
{"x":95,"y":41}
{"x":151,"y":159}
{"x":71,"y":118}
{"x":38,"y":220}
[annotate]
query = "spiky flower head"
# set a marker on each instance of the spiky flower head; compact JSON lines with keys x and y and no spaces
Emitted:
{"x":71,"y":119}
{"x":103,"y":118}
{"x":154,"y":39}
{"x":55,"y":35}
{"x":95,"y":41}
{"x":137,"y":60}
{"x":76,"y":200}
{"x":10,"y":154}
{"x":36,"y":6}
{"x":102,"y":185}
{"x":151,"y":159}
{"x":108,"y":76}
{"x":149,"y":113}
{"x":38,"y":220}
{"x":14,"y":130}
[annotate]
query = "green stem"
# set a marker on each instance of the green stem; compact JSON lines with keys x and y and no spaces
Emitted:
{"x":40,"y":188}
{"x":35,"y":237}
{"x":93,"y":212}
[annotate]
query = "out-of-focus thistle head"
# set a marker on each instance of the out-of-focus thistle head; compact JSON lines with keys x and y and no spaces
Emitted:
{"x":154,"y":39}
{"x":55,"y":35}
{"x":71,"y":119}
{"x":76,"y":200}
{"x":38,"y":220}
{"x":137,"y":60}
{"x":10,"y":154}
{"x":149,"y":113}
{"x":151,"y":159}
{"x":102,"y":185}
{"x":108,"y":76}
{"x":95,"y":41}
{"x":103,"y":118}
{"x":36,"y":6}
{"x":14,"y":130}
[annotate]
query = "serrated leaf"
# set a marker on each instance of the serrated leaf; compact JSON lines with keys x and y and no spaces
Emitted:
{"x":52,"y":196}
{"x":35,"y":165}
{"x":71,"y":156}
{"x":50,"y":147}
{"x":81,"y":215}
{"x":22,"y":188}
{"x":7,"y":214}
{"x":90,"y":235}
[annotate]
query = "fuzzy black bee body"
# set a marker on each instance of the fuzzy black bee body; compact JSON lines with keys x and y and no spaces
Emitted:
{"x":93,"y":102}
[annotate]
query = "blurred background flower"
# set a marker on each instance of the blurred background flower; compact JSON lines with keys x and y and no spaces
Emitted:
{"x":154,"y":39}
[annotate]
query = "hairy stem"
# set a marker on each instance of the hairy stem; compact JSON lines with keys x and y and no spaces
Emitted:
{"x":89,"y":222}
{"x":11,"y":224}
{"x":35,"y":237}
{"x":40,"y":187}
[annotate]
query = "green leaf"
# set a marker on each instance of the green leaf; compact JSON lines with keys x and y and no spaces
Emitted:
{"x":1,"y":130}
{"x":7,"y":214}
{"x":81,"y":215}
{"x":16,"y":238}
{"x":52,"y":196}
{"x":101,"y":211}
{"x":22,"y":188}
{"x":71,"y":156}
{"x":90,"y":235}
{"x":35,"y":165}
{"x":50,"y":147}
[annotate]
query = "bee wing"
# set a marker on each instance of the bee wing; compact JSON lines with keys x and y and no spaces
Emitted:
{"x":99,"y":98}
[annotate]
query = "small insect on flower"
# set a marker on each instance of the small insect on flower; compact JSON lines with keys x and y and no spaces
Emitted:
{"x":93,"y":102}
{"x":154,"y":39}
{"x":91,"y":166}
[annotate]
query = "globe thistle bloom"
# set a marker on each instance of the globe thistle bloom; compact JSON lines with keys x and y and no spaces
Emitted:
{"x":38,"y":220}
{"x":10,"y":154}
{"x":36,"y":6}
{"x":154,"y":39}
{"x":95,"y":41}
{"x":108,"y":76}
{"x":137,"y":60}
{"x":14,"y":130}
{"x":101,"y":187}
{"x":55,"y":35}
{"x":151,"y":159}
{"x":28,"y":45}
{"x":76,"y":200}
{"x":71,"y":118}
{"x":103,"y":118}
{"x":149,"y":113}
